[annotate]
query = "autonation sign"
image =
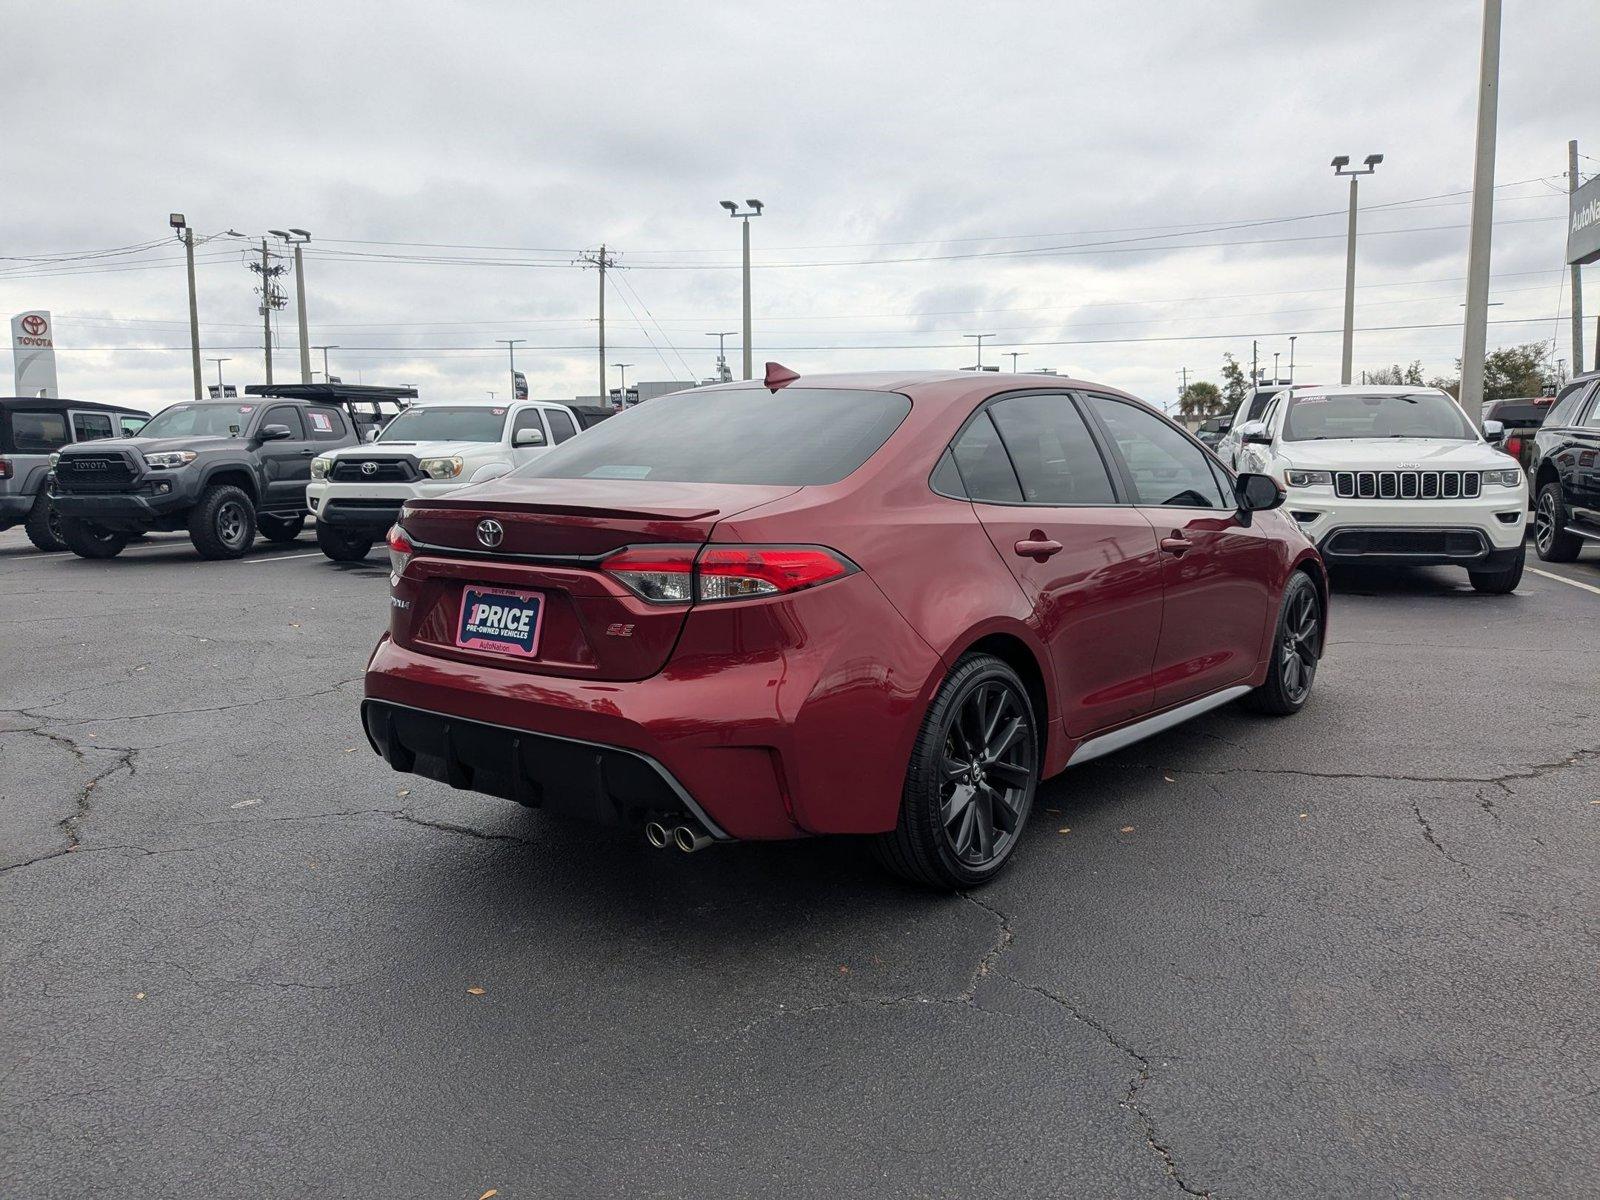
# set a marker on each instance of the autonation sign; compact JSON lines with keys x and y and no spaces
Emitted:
{"x":33,"y":354}
{"x":1583,"y":230}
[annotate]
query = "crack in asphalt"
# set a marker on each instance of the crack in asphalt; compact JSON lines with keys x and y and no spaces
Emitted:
{"x":985,"y":964}
{"x":1503,"y":781}
{"x":68,"y":825}
{"x":1428,"y":836}
{"x":181,"y":712}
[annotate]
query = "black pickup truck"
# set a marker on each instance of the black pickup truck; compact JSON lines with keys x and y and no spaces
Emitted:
{"x":224,"y":470}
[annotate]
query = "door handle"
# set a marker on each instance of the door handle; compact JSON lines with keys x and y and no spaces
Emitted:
{"x":1038,"y":547}
{"x":1177,"y":544}
{"x":308,"y":454}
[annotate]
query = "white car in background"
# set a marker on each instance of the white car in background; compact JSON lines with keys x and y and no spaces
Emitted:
{"x":1393,"y":476}
{"x":428,"y":450}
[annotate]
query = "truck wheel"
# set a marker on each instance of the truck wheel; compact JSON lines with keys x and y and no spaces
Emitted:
{"x":223,"y":523}
{"x":281,"y":529}
{"x":91,"y":541}
{"x":342,"y":547}
{"x":1550,"y":535}
{"x":1498,"y":583}
{"x":44,"y":525}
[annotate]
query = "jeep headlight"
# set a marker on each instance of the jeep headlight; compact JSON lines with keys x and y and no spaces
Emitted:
{"x":1510,"y":477}
{"x":321,"y":467}
{"x":171,"y":458}
{"x":441,"y":468}
{"x":1309,"y":478}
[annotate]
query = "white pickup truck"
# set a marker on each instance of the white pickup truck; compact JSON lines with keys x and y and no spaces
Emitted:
{"x":430,"y":449}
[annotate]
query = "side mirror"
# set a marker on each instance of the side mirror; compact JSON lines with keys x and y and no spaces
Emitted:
{"x":528,"y":437}
{"x":371,"y":435}
{"x":1257,"y":493}
{"x":273,"y":433}
{"x":1493,"y":431}
{"x":1254,"y":433}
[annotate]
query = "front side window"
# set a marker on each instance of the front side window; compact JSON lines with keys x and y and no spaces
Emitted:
{"x":528,"y":418}
{"x":984,"y":466}
{"x":1376,"y":415}
{"x":199,"y":420}
{"x":796,"y":436}
{"x":1165,"y":466}
{"x":285,"y":414}
{"x":88,"y":426}
{"x":1055,"y":458}
{"x":446,"y":423}
{"x":38,"y":432}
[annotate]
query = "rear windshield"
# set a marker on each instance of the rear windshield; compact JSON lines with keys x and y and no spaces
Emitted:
{"x":446,"y":423}
{"x":1418,"y":415}
{"x":798,"y":436}
{"x":199,"y":420}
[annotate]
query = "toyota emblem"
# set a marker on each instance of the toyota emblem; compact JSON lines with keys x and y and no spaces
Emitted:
{"x":369,"y":468}
{"x":34,"y":324}
{"x":490,"y":533}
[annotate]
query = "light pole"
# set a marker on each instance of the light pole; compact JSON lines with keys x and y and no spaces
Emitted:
{"x":1341,"y":166}
{"x":326,"y":378}
{"x":1475,"y":334}
{"x":298,"y":238}
{"x":754,"y":211}
{"x":723,"y":374}
{"x":1275,"y":354}
{"x":980,"y":337}
{"x":186,"y":236}
{"x":1013,"y":355}
{"x":219,"y":362}
{"x":623,"y":368}
{"x":1292,"y":337}
{"x":511,"y":345}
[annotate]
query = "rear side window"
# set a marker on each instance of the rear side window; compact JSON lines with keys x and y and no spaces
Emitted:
{"x":1565,"y":411}
{"x":37,"y":432}
{"x":1166,"y":467}
{"x":561,"y":427}
{"x":795,"y":436}
{"x":1050,"y":447}
{"x":325,"y":424}
{"x":130,"y":424}
{"x":88,"y":426}
{"x":985,"y":467}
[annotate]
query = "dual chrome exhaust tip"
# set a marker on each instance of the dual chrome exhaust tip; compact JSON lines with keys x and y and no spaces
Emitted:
{"x":685,"y":837}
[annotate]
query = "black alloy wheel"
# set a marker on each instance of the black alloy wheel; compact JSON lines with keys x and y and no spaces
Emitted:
{"x":1296,"y":650}
{"x":1552,"y":541}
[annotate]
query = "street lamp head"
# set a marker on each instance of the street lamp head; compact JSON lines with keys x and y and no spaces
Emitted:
{"x":278,"y":233}
{"x":757,"y":205}
{"x":730,"y":206}
{"x":1342,"y":160}
{"x":176,"y":221}
{"x":1373,"y":160}
{"x":301,"y":234}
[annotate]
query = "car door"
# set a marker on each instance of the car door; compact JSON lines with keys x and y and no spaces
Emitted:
{"x":285,"y":464}
{"x":1583,"y":449}
{"x":1217,"y":571}
{"x":1086,"y":559}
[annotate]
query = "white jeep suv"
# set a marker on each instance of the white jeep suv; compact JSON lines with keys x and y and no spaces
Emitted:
{"x":1393,"y":475}
{"x":430,"y":449}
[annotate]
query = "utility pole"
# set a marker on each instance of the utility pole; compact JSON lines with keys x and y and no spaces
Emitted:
{"x":1255,"y":372}
{"x":1340,"y":167}
{"x":1013,"y":355}
{"x":271,"y":298}
{"x":754,"y":210}
{"x":723,"y":374}
{"x":298,"y":238}
{"x":979,"y":337}
{"x":511,"y":345}
{"x":1475,"y":336}
{"x":186,"y":236}
{"x":601,"y":260}
{"x":1577,"y":277}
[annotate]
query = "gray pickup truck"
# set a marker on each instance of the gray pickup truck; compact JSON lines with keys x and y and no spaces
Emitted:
{"x":32,"y":428}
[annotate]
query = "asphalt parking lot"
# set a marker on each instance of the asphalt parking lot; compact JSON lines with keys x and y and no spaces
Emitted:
{"x":1349,"y":953}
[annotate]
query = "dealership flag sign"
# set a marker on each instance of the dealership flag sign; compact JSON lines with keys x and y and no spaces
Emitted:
{"x":33,"y":354}
{"x":1583,"y":231}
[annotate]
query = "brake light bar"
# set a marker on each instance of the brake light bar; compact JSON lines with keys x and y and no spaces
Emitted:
{"x":683,"y":574}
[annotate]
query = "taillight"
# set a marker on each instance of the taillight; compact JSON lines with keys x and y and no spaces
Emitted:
{"x":400,"y":550}
{"x":683,"y":574}
{"x":1513,"y":446}
{"x":5,"y":468}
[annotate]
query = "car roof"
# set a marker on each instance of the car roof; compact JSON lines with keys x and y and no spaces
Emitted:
{"x":60,"y":404}
{"x":1368,"y":389}
{"x":937,"y":387}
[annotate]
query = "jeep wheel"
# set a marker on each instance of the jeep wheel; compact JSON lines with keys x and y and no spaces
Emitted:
{"x":44,"y":525}
{"x":1498,"y":583}
{"x":280,"y":529}
{"x":91,"y":541}
{"x":342,"y":547}
{"x":223,"y":523}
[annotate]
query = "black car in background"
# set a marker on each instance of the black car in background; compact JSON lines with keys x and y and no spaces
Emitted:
{"x":1211,"y":431}
{"x":32,"y":428}
{"x":1564,"y":472}
{"x":1519,"y":421}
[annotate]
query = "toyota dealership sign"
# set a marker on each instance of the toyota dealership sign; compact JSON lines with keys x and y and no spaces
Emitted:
{"x":33,"y":354}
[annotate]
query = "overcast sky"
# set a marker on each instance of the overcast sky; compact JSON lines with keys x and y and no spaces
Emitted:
{"x":1048,"y":161}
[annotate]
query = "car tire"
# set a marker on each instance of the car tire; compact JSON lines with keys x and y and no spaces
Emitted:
{"x":342,"y":547}
{"x":223,"y":523}
{"x":1296,"y":649}
{"x":958,"y":826}
{"x":1498,"y":583}
{"x":1551,"y":538}
{"x":280,"y":529}
{"x":91,"y":541}
{"x":44,"y":525}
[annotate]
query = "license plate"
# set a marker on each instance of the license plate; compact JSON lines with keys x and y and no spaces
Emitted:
{"x":500,"y":621}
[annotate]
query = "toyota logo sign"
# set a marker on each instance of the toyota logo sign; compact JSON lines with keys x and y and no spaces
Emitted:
{"x":369,"y":468}
{"x":35,"y":325}
{"x":490,"y":533}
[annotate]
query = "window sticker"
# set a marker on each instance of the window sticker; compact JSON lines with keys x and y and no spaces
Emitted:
{"x":320,"y":422}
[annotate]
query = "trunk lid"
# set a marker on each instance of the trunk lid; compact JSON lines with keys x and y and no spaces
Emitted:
{"x":554,"y":534}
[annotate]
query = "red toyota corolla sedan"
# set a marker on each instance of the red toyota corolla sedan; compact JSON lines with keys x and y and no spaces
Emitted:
{"x":884,"y":604}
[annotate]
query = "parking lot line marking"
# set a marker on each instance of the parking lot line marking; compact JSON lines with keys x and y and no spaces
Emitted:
{"x":1588,"y":587}
{"x":281,"y":558}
